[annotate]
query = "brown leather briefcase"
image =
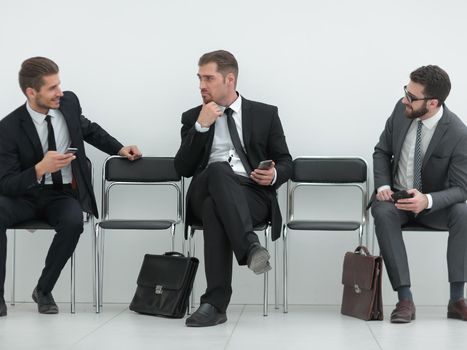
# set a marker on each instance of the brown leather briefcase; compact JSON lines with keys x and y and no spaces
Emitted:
{"x":361,"y":277}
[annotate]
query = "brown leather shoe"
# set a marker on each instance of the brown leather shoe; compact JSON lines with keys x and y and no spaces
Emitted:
{"x":458,"y":310}
{"x":404,"y":312}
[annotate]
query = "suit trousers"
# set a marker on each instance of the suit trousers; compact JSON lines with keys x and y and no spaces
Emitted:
{"x":61,"y":210}
{"x":388,"y":222}
{"x":229,"y":206}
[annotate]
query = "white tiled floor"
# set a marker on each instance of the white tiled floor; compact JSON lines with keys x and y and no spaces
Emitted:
{"x":304,"y":327}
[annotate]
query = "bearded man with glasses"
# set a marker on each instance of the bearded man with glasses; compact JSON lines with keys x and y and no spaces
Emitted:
{"x":422,"y":151}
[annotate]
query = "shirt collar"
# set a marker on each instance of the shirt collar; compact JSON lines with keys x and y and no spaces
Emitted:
{"x":39,"y":117}
{"x":36,"y":116}
{"x":430,"y":123}
{"x":236,"y":106}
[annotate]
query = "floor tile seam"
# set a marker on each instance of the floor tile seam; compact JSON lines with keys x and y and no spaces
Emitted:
{"x":95,"y":329}
{"x":373,"y":335}
{"x":234,"y":327}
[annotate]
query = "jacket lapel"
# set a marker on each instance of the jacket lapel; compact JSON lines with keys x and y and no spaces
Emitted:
{"x":31,"y":132}
{"x":440,"y":130}
{"x":399,"y":143}
{"x":246,"y":123}
{"x":70,"y":123}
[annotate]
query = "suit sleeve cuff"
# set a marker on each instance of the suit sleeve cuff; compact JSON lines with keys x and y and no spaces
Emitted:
{"x":430,"y":201}
{"x":382,"y":188}
{"x":275,"y":177}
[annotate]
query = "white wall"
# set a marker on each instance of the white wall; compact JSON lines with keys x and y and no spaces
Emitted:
{"x":334,"y":68}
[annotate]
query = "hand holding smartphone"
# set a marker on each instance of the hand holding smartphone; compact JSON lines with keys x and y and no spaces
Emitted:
{"x":265,"y":164}
{"x":71,"y":150}
{"x":401,"y":195}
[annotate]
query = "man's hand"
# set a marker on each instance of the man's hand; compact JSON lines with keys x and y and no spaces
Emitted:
{"x":385,"y":195}
{"x":416,"y":204}
{"x":131,"y":152}
{"x":209,"y":114}
{"x":263,"y":176}
{"x":52,"y":162}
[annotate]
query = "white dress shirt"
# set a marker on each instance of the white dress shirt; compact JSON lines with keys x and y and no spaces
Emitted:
{"x":405,"y":171}
{"x":62,"y":137}
{"x":222,"y":149}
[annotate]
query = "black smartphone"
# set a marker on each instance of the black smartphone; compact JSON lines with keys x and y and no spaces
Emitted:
{"x":71,"y":150}
{"x":401,"y":195}
{"x":265,"y":164}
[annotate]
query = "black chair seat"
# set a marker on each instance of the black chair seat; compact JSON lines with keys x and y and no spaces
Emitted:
{"x":308,"y":225}
{"x":136,"y":224}
{"x":199,"y":227}
{"x":35,"y":224}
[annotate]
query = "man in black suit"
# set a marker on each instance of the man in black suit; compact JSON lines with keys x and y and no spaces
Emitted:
{"x":39,"y":178}
{"x":423,"y":150}
{"x":223,"y":141}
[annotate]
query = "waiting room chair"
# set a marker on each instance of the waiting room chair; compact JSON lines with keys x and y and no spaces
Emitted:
{"x":266,"y":227}
{"x":324,"y":172}
{"x":147,"y":171}
{"x":37,"y":224}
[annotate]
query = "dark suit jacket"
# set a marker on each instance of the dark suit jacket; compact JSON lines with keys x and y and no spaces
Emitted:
{"x":263,"y":138}
{"x":21,"y":150}
{"x":444,"y":168}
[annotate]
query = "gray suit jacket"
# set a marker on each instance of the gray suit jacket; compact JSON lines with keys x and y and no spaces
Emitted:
{"x":444,"y":169}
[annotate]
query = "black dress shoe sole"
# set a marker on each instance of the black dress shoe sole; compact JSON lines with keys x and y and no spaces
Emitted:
{"x":260,"y":261}
{"x":220,"y":320}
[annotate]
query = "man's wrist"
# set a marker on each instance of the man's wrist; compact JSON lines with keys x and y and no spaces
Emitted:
{"x":39,"y":171}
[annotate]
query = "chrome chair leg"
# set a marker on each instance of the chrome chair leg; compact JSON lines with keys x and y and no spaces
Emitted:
{"x":73,"y":283}
{"x":97,"y":286}
{"x":13,"y":270}
{"x":266,"y":284}
{"x":276,"y":268}
{"x":172,"y":232}
{"x":101,"y":266}
{"x":285,"y":267}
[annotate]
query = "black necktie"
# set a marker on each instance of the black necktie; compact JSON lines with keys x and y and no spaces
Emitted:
{"x":57,"y":176}
{"x":417,"y":159}
{"x":236,"y":140}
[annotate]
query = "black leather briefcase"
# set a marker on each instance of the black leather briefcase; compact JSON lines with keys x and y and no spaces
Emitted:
{"x":164,"y":285}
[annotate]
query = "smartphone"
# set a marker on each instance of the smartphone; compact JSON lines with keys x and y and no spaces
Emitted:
{"x":265,"y":164}
{"x":71,"y":150}
{"x":400,"y":195}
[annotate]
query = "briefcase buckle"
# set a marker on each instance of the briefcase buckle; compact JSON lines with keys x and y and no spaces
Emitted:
{"x":158,"y":289}
{"x":357,"y":289}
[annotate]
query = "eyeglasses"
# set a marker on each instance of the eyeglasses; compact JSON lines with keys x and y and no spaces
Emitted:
{"x":411,"y":98}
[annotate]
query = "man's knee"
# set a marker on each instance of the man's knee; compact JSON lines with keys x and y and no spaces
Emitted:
{"x":383,"y":210}
{"x":71,"y":223}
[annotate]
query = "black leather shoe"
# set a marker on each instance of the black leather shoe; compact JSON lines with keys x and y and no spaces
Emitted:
{"x":45,"y":302}
{"x":3,"y":311}
{"x":206,"y":316}
{"x":258,"y":259}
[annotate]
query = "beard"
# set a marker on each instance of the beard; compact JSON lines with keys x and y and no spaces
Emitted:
{"x":416,"y":113}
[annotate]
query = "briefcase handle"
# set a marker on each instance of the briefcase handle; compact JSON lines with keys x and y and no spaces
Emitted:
{"x":362,"y":250}
{"x":174,"y":254}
